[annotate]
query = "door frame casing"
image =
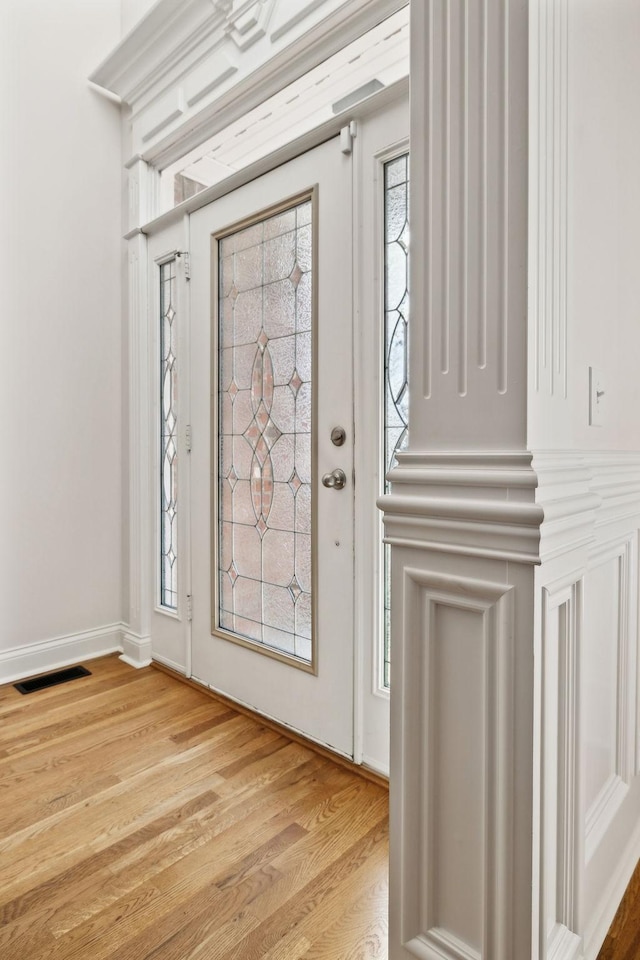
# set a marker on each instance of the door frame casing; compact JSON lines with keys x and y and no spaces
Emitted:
{"x":371,"y":151}
{"x":171,"y":642}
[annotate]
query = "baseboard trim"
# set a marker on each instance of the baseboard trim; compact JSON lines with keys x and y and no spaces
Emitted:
{"x":58,"y":652}
{"x":170,"y":664}
{"x":597,"y":932}
{"x":136,"y":650}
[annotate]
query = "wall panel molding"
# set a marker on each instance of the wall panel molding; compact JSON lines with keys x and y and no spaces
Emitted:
{"x":602,"y":812}
{"x":457,"y":904}
{"x":587,"y":589}
{"x":561,"y":804}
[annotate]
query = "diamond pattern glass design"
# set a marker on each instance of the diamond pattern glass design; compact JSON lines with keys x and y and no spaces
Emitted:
{"x":265,"y":422}
{"x":396,"y":330}
{"x":168,"y":439}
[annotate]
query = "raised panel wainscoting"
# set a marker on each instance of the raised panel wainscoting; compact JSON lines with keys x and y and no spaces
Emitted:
{"x":586,"y":817}
{"x":464,"y":534}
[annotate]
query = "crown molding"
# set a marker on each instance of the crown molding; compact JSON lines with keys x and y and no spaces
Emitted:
{"x":167,"y":33}
{"x":191,"y":67}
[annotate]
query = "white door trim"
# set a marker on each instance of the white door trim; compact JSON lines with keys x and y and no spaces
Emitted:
{"x":373,"y":147}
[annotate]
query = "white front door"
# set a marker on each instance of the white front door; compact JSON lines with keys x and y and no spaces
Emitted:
{"x":272,"y":494}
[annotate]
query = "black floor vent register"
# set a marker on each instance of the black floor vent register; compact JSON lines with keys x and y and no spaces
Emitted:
{"x":52,"y":679}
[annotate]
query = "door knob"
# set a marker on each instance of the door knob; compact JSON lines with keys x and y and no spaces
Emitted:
{"x":335,"y":480}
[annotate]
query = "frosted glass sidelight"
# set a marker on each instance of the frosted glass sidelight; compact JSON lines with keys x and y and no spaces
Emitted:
{"x":396,"y":330}
{"x":265,"y":422}
{"x":168,"y":439}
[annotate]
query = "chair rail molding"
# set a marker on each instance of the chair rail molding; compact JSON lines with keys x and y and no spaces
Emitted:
{"x":478,"y":504}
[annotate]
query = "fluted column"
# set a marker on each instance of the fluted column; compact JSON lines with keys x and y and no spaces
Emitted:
{"x":461,"y":516}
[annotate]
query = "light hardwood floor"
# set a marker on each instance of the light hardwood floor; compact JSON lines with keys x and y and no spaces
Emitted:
{"x":139,"y":818}
{"x":623,"y":939}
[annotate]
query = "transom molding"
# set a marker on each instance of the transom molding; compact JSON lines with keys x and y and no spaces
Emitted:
{"x":184,"y":69}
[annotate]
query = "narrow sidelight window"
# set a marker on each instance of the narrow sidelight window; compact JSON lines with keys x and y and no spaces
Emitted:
{"x":396,"y":329}
{"x":168,"y":439}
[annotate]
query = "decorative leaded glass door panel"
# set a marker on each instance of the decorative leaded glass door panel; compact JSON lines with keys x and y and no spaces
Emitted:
{"x":272,"y":494}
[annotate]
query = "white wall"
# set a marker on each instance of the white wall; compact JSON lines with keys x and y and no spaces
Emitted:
{"x":603,"y":231}
{"x":60,"y":388}
{"x":604,"y":218}
{"x":585,"y":311}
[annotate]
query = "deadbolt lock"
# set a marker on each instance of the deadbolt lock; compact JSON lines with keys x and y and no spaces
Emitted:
{"x":338,"y":436}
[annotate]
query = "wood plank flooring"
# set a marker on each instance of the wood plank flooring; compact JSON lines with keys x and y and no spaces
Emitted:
{"x":623,"y":939}
{"x":142,"y":820}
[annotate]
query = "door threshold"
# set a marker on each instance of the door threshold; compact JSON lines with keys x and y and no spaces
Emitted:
{"x":363,"y":771}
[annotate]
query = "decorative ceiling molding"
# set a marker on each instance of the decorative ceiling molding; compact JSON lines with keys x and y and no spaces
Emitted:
{"x":248,"y":22}
{"x":169,"y":33}
{"x":187,"y":61}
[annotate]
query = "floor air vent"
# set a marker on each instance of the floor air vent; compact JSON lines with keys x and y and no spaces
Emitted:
{"x":51,"y":679}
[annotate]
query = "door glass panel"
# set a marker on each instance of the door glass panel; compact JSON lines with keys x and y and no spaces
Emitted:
{"x":264,"y":494}
{"x":396,"y":320}
{"x":168,"y":439}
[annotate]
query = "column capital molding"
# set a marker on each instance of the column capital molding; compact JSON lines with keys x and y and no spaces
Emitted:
{"x":479,"y":504}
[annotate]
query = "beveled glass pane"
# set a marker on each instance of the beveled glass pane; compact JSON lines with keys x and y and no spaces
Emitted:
{"x":279,"y":257}
{"x":265,"y":422}
{"x":169,"y":438}
{"x":303,"y":303}
{"x":396,"y":331}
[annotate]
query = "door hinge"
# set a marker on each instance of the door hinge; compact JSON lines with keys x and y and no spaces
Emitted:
{"x":187,"y":437}
{"x":189,"y":607}
{"x":347,"y":136}
{"x":185,"y":256}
